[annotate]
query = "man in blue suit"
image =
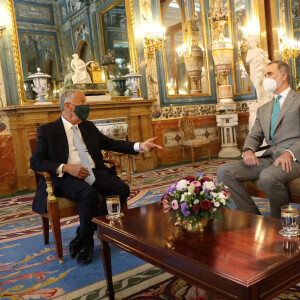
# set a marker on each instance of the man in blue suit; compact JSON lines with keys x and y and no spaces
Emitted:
{"x":78,"y":171}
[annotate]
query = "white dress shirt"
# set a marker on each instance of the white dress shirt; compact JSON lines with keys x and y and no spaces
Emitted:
{"x":74,"y":158}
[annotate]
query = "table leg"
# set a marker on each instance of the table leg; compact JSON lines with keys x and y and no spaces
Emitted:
{"x":106,"y":259}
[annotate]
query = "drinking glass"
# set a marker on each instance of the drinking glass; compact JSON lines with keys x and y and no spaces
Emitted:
{"x":290,"y":220}
{"x":113,"y":207}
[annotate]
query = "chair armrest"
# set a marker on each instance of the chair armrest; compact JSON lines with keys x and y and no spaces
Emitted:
{"x":263,"y":148}
{"x":50,"y":190}
{"x":116,"y":164}
{"x":112,"y":162}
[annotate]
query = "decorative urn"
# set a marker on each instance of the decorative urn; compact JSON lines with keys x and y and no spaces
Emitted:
{"x":133,"y":83}
{"x":193,"y":59}
{"x":121,"y":87}
{"x":222,"y":52}
{"x":40,"y":85}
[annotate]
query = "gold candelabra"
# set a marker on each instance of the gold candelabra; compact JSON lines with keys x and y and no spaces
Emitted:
{"x":155,"y":42}
{"x":290,"y":53}
{"x":290,"y":48}
{"x":2,"y":31}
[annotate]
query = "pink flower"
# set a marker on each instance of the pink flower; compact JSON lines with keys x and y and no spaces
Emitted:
{"x":175,"y":204}
{"x":164,"y":196}
{"x":196,"y":208}
{"x":195,"y":183}
{"x":205,"y":204}
{"x":166,"y":206}
{"x":226,"y":193}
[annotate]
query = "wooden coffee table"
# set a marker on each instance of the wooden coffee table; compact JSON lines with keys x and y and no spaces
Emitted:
{"x":243,"y":257}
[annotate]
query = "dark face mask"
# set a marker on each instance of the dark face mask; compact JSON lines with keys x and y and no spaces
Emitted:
{"x":82,"y":111}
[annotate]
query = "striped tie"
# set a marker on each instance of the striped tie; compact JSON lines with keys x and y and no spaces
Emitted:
{"x":276,"y":109}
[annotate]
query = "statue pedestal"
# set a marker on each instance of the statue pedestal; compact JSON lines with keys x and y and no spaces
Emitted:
{"x":228,"y":135}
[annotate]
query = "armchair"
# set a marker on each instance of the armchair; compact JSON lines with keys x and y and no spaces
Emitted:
{"x":254,"y":189}
{"x":189,"y":141}
{"x":59,"y":207}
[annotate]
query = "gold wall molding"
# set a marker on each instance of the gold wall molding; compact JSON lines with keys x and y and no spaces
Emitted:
{"x":16,"y":50}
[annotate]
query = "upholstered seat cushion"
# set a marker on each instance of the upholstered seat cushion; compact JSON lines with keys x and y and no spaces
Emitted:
{"x":293,"y":186}
{"x":65,"y":203}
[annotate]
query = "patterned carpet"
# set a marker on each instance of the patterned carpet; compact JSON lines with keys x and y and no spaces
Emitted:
{"x":29,"y":269}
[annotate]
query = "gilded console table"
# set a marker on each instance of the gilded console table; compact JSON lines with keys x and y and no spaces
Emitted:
{"x":24,"y":120}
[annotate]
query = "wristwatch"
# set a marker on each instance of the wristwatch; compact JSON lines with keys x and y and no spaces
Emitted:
{"x":247,"y":148}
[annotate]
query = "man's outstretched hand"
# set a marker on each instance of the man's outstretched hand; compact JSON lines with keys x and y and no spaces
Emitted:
{"x":149,"y":145}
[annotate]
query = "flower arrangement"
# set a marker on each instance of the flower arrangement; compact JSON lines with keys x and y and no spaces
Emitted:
{"x":195,"y":198}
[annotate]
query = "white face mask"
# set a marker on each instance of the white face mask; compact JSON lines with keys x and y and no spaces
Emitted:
{"x":270,"y":84}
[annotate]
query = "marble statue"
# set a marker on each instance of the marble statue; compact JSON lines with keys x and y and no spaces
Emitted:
{"x":81,"y":75}
{"x":69,"y":72}
{"x":258,"y":62}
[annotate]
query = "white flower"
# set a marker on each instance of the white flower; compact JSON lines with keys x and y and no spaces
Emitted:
{"x":221,"y":195}
{"x":196,"y":201}
{"x":214,"y":209}
{"x":182,"y":185}
{"x":210,"y":185}
{"x":217,"y":204}
{"x":182,"y":197}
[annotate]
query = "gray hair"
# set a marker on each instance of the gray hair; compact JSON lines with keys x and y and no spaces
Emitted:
{"x":66,"y":96}
{"x":283,"y":67}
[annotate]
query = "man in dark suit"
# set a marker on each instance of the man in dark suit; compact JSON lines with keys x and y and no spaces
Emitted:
{"x":70,"y":149}
{"x":278,"y":122}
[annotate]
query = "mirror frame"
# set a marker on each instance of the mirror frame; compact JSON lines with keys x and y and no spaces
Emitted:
{"x":17,"y":53}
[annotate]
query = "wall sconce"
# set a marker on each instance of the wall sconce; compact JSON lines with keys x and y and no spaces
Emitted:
{"x":289,"y":47}
{"x":2,"y":31}
{"x":155,"y":40}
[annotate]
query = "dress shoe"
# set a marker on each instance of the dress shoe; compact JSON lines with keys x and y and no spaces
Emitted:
{"x":85,"y":255}
{"x":75,"y":246}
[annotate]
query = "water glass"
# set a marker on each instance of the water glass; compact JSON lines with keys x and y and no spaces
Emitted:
{"x":290,"y":219}
{"x":113,"y":207}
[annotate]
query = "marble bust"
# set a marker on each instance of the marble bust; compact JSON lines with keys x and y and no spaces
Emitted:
{"x":81,"y":75}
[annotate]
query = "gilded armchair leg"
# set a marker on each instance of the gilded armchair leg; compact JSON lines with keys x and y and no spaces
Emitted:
{"x":55,"y":225}
{"x":127,"y":168}
{"x":45,"y":227}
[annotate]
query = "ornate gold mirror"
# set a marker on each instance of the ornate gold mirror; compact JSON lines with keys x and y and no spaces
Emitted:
{"x":296,"y":28}
{"x":241,"y":81}
{"x":45,"y":35}
{"x":113,"y":23}
{"x":184,"y":37}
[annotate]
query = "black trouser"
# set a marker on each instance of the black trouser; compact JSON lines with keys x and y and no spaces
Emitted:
{"x":87,"y":198}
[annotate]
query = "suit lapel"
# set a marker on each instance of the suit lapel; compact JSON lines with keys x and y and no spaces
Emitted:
{"x":268,"y":112}
{"x":86,"y":135}
{"x":62,"y":137}
{"x":290,"y":98}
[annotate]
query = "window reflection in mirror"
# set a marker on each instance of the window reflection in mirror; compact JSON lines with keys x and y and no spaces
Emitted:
{"x":242,"y":83}
{"x":174,"y":20}
{"x":115,"y":39}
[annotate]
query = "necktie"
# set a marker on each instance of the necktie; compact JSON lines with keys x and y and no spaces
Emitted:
{"x":83,"y":157}
{"x":276,"y":109}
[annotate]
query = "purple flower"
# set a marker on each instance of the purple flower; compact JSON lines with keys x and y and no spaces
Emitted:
{"x":211,"y":196}
{"x":184,"y":209}
{"x":199,"y":175}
